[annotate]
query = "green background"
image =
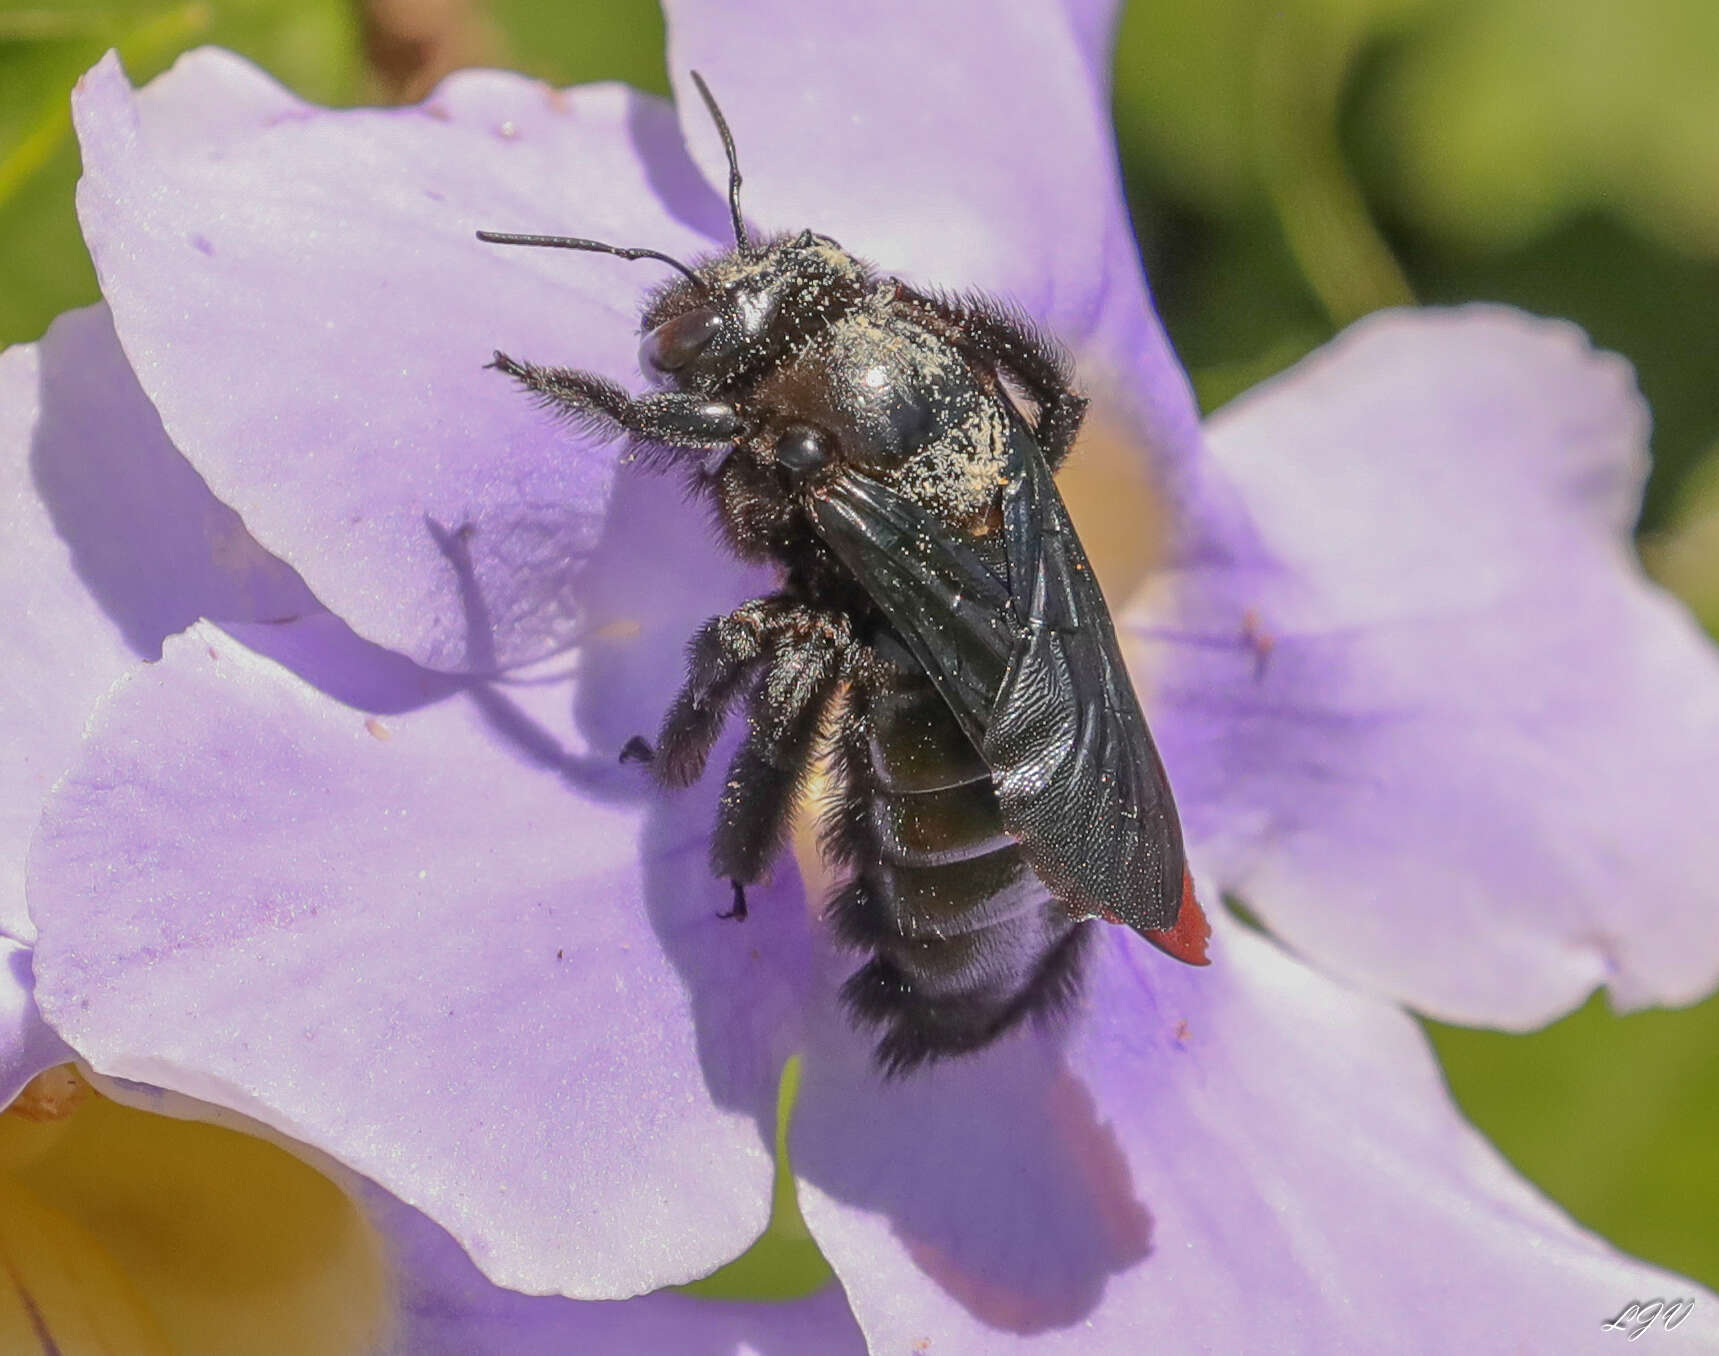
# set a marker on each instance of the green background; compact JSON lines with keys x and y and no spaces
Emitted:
{"x":1291,"y":165}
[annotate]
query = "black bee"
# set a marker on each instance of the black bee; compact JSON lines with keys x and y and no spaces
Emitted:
{"x":938,"y":628}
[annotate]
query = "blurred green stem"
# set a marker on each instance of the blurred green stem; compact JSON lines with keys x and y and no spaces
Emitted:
{"x":785,"y":1263}
{"x":1303,"y":63}
{"x":148,"y":44}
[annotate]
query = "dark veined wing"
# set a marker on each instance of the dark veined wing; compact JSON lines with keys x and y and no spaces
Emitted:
{"x":949,"y":607}
{"x":1030,"y":666}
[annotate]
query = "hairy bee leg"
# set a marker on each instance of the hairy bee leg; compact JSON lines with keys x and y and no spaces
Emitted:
{"x":1059,"y":425}
{"x":723,"y":654}
{"x":812,"y":654}
{"x":763,"y":784}
{"x":675,"y":418}
{"x":1022,"y":353}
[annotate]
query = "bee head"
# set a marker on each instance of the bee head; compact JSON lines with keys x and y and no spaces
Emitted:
{"x":735,"y":314}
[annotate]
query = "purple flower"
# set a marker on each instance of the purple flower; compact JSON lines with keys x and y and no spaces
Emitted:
{"x":112,"y":542}
{"x":357,"y":863}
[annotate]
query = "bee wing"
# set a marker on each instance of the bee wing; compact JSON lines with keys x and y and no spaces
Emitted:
{"x":949,"y":607}
{"x":1077,"y":774}
{"x":1030,"y":667}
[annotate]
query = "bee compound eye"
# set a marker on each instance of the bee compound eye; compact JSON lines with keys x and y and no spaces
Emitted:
{"x":803,"y":448}
{"x":672,"y":345}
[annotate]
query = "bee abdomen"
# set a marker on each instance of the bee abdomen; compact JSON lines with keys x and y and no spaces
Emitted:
{"x":966,"y":941}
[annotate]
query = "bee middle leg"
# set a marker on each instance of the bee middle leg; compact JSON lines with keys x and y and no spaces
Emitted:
{"x":811,"y":653}
{"x":722,"y":656}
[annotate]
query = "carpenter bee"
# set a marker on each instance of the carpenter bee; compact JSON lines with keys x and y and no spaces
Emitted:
{"x":938,"y":631}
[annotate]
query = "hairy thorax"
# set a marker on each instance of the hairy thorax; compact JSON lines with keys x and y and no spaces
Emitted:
{"x":905,"y":407}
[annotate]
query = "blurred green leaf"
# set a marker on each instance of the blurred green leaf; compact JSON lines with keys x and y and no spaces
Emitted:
{"x":1233,"y":299}
{"x":1684,"y":556}
{"x":1658,"y":308}
{"x":1183,"y":106}
{"x":311,"y":45}
{"x":26,"y":23}
{"x":1240,"y":102}
{"x":1612,"y":1116}
{"x":1508,"y":115}
{"x":1188,"y":82}
{"x":572,"y":43}
{"x":43,"y":266}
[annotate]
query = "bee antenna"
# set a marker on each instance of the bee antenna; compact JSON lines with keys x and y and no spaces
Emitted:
{"x":733,"y":160}
{"x":568,"y":242}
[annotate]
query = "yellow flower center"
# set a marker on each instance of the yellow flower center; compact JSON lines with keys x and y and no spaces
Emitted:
{"x":124,"y":1232}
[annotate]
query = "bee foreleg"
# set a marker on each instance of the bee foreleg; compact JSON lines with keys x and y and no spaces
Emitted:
{"x":670,"y":418}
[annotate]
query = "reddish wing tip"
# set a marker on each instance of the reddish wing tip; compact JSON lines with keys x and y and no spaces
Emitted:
{"x":1186,"y":939}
